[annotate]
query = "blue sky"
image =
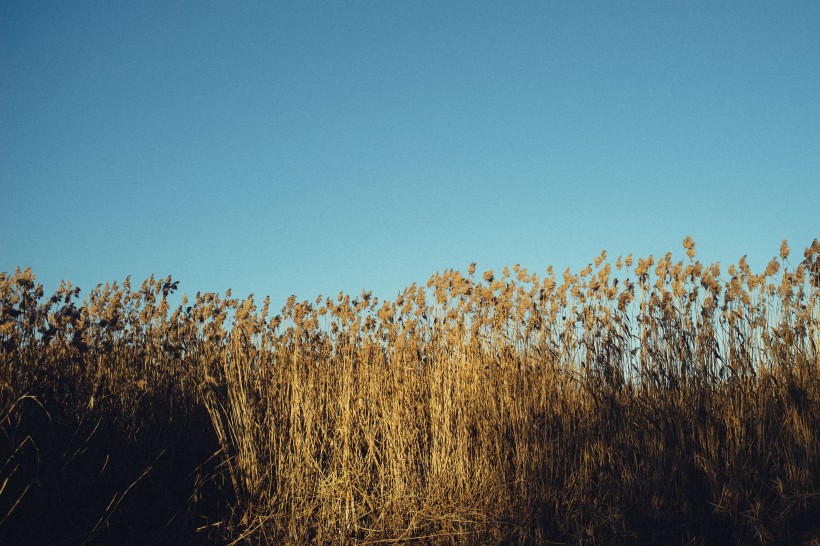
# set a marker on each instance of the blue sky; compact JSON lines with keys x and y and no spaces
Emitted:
{"x":311,"y":147}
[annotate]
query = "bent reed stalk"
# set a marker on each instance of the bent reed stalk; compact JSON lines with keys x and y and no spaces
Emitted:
{"x":662,"y":403}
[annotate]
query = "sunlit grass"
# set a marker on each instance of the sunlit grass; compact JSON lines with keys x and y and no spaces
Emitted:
{"x":669,"y":402}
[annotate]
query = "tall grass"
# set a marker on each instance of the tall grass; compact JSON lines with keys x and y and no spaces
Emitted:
{"x":655,"y":401}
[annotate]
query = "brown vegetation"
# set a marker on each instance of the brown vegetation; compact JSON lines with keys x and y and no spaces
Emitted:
{"x":662,"y":403}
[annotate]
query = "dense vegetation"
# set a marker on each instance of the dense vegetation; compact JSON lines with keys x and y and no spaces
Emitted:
{"x":660,"y":401}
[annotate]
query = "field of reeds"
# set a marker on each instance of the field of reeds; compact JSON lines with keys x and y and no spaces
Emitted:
{"x":646,"y":401}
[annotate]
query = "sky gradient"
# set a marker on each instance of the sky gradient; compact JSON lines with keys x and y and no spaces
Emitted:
{"x":315,"y":147}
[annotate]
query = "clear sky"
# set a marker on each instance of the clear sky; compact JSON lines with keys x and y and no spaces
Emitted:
{"x":313,"y":147}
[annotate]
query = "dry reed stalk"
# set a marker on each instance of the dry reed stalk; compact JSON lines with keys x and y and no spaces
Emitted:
{"x":680,"y":404}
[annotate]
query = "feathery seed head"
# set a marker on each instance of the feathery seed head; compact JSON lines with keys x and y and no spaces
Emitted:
{"x":772,"y":268}
{"x":600,"y":259}
{"x":784,"y":249}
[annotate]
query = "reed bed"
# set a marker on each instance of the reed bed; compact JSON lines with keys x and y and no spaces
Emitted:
{"x":642,"y":401}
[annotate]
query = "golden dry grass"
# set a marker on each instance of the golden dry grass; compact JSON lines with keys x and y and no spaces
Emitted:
{"x":670,"y":403}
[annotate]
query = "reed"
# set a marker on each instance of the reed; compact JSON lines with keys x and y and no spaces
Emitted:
{"x":650,"y":400}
